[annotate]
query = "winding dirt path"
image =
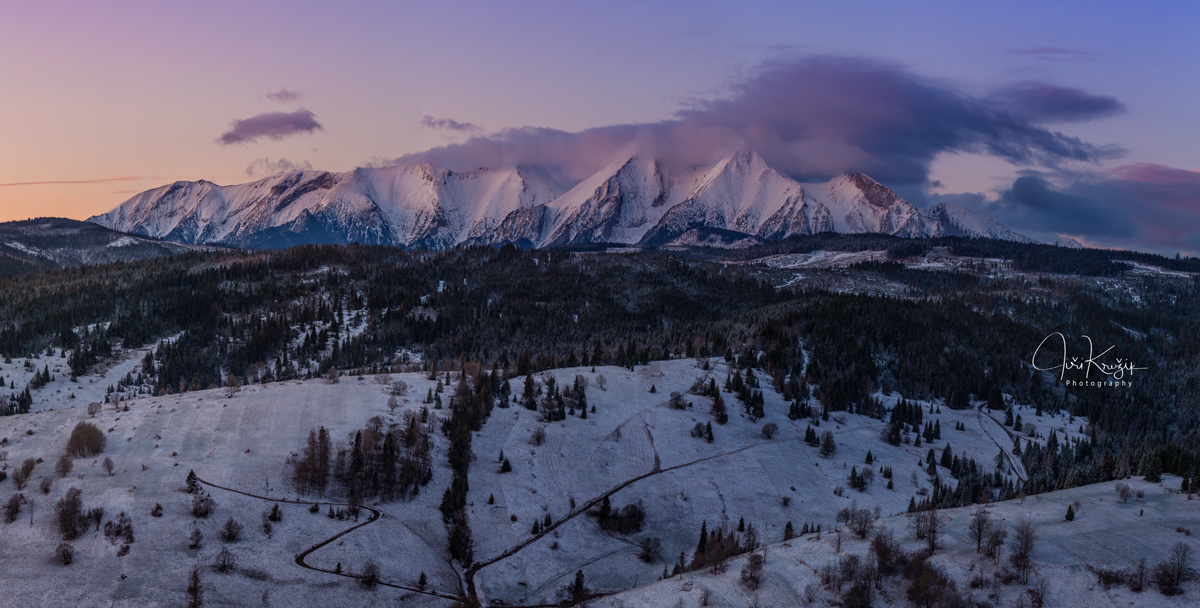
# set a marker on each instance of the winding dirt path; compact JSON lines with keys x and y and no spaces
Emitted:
{"x":303,"y":555}
{"x":469,"y":575}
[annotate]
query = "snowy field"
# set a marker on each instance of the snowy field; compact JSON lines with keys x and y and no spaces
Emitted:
{"x":243,"y":443}
{"x":1106,"y":532}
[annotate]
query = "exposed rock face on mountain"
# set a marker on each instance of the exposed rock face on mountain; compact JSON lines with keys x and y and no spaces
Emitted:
{"x":633,"y":200}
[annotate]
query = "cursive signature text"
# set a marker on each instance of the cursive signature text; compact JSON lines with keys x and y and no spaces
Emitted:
{"x":1117,"y":370}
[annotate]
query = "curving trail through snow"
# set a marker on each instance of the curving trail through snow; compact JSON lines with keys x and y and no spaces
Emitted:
{"x":1015,"y":464}
{"x":300,"y":557}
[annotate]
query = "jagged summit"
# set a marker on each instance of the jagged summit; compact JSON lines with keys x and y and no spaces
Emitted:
{"x":635,"y":199}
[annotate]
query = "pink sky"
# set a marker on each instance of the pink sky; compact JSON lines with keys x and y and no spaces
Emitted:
{"x":102,"y":100}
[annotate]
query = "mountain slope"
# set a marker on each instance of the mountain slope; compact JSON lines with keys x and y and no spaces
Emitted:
{"x":635,"y":199}
{"x":51,"y":242}
{"x":413,"y":205}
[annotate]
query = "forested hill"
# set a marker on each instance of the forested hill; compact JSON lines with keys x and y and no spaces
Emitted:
{"x":266,"y":316}
{"x":1032,"y":257}
{"x":52,"y":242}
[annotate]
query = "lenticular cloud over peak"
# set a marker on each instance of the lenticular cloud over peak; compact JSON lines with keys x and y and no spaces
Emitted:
{"x":815,"y":118}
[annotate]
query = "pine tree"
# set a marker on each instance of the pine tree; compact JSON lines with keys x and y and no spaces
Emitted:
{"x":195,"y":594}
{"x":1070,"y":513}
{"x":702,"y":546}
{"x":870,"y":458}
{"x":789,"y":532}
{"x":578,"y":590}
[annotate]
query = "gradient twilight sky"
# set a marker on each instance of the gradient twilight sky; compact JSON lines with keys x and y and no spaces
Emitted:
{"x":102,"y":100}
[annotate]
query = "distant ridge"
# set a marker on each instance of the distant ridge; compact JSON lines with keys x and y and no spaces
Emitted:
{"x":633,"y":200}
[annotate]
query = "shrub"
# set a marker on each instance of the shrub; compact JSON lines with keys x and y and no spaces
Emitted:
{"x":195,"y":539}
{"x":752,"y":572}
{"x":86,"y":440}
{"x":72,"y":521}
{"x":203,"y":505}
{"x":225,"y":561}
{"x":1123,"y":492}
{"x":64,"y":554}
{"x":768,"y":430}
{"x":650,"y":548}
{"x":21,"y":475}
{"x":231,"y":531}
{"x":96,"y":515}
{"x":539,"y":436}
{"x":157,"y":511}
{"x":64,"y":465}
{"x":370,"y":574}
{"x":11,"y":508}
{"x":119,"y":530}
{"x":45,"y":485}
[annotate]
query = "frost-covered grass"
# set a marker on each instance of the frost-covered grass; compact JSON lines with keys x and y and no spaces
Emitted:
{"x":1105,"y":533}
{"x":244,"y":442}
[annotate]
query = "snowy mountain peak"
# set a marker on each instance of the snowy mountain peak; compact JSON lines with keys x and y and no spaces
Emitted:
{"x":633,"y":199}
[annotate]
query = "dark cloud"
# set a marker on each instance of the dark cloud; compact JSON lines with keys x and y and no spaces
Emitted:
{"x":812,"y":119}
{"x":271,"y":125}
{"x":1047,"y":53}
{"x":1033,"y":204}
{"x":284,"y":95}
{"x":1042,"y":103}
{"x":266,"y":166}
{"x":449,"y":124}
{"x":1143,"y":206}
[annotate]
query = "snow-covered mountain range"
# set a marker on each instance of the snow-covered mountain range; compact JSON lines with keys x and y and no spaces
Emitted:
{"x":634,"y":200}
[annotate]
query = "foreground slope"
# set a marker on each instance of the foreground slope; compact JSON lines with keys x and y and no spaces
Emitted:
{"x":244,"y":443}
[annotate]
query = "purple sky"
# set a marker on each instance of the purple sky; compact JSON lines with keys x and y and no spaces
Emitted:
{"x":1077,"y":119}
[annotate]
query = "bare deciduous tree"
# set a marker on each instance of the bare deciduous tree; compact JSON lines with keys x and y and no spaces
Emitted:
{"x":995,"y":540}
{"x":1023,"y":541}
{"x":927,"y":526}
{"x":231,"y":531}
{"x":109,"y":465}
{"x":12,"y":507}
{"x":195,"y":539}
{"x":1175,"y":570}
{"x":232,"y":386}
{"x":1123,"y":492}
{"x":980,"y":527}
{"x":398,"y":388}
{"x":225,"y":560}
{"x":64,"y":465}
